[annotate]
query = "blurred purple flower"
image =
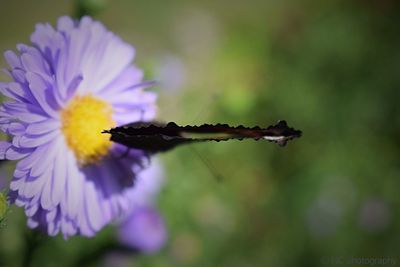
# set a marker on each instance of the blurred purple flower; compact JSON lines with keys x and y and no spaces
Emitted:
{"x":171,"y":73}
{"x":143,"y":229}
{"x":148,"y":185}
{"x":73,"y":82}
{"x":375,"y":215}
{"x":324,"y":216}
{"x":117,"y":259}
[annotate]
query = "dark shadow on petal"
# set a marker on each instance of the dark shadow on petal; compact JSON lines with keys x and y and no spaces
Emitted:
{"x":117,"y":171}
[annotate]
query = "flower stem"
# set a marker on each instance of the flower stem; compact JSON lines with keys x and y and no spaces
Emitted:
{"x":33,"y":241}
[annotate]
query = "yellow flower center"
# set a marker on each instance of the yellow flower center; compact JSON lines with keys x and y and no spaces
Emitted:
{"x":83,"y":120}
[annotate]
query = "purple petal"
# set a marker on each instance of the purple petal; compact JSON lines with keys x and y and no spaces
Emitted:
{"x":12,"y":59}
{"x":126,"y":79}
{"x":16,"y":128}
{"x":33,"y":157}
{"x":15,"y":153}
{"x":133,"y":98}
{"x":18,"y":75}
{"x":100,"y":54}
{"x":17,"y":184}
{"x":24,"y":112}
{"x":34,"y":186}
{"x":42,"y":91}
{"x":93,"y":211}
{"x":74,"y":84}
{"x":65,"y":24}
{"x":51,"y":215}
{"x":43,"y":127}
{"x":20,"y":173}
{"x":45,"y":198}
{"x":43,"y":36}
{"x":32,"y":223}
{"x":34,"y":62}
{"x":48,"y":161}
{"x":38,"y":140}
{"x":60,"y":173}
{"x":4,"y":146}
{"x":74,"y":187}
{"x":5,"y":90}
{"x":31,"y":209}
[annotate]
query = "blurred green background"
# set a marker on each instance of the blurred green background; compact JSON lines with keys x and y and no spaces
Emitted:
{"x":330,"y":68}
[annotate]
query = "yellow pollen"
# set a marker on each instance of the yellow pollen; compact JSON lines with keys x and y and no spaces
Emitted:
{"x":83,"y":120}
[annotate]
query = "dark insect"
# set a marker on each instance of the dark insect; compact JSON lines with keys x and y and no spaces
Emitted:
{"x":156,"y":137}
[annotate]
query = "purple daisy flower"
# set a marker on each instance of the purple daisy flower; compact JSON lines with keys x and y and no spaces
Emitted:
{"x":72,"y":83}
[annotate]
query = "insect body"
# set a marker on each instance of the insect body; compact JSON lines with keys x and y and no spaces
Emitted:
{"x":156,"y":137}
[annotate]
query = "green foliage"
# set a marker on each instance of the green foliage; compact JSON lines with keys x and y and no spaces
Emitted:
{"x":330,"y":68}
{"x":3,"y":207}
{"x":89,"y":7}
